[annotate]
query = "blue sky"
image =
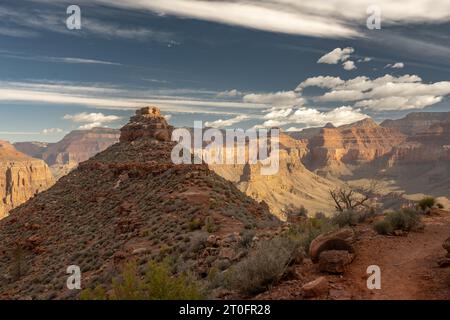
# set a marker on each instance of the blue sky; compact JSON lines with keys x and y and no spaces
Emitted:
{"x":229,"y":63}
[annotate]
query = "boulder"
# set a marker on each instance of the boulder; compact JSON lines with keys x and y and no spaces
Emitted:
{"x":335,"y":240}
{"x":444,"y":262}
{"x":315,"y":288}
{"x":334,"y":261}
{"x":446,"y":245}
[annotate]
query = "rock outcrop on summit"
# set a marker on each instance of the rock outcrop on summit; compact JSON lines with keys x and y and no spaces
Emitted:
{"x":148,"y":122}
{"x":21,"y":177}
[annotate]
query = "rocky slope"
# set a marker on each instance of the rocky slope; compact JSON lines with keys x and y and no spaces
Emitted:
{"x":74,"y":148}
{"x":130,"y":202}
{"x":21,"y":177}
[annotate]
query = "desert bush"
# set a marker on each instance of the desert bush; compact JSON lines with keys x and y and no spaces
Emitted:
{"x":210,"y":225}
{"x":195,"y":224}
{"x":383,"y":227}
{"x":157,"y":284}
{"x":306,"y":231}
{"x":247,"y":239}
{"x":264,"y":267}
{"x":426,"y":203}
{"x":405,"y":220}
{"x":198,"y":242}
{"x":345,"y":218}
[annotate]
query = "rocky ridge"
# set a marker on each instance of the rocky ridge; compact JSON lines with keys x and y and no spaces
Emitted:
{"x":128,"y":202}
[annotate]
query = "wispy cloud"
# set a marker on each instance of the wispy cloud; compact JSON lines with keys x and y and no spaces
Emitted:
{"x":221,"y":123}
{"x":51,"y":18}
{"x":327,"y":19}
{"x":107,"y":97}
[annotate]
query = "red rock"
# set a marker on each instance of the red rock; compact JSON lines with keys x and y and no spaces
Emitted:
{"x":315,"y":288}
{"x":341,"y":239}
{"x":334,"y":261}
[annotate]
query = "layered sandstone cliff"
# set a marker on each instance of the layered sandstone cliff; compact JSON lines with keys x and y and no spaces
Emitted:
{"x":338,"y":151}
{"x":74,"y":148}
{"x":21,"y":177}
{"x":291,"y":188}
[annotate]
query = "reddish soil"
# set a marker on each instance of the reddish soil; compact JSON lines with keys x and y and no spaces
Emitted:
{"x":408,"y":264}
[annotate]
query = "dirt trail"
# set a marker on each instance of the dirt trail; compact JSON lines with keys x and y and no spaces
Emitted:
{"x":408,"y":263}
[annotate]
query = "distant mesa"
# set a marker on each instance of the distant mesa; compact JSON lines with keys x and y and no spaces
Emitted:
{"x":76,"y":147}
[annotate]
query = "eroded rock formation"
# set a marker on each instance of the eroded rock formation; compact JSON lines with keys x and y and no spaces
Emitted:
{"x":21,"y":177}
{"x":148,"y":122}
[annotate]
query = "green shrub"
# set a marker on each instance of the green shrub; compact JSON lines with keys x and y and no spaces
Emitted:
{"x":157,"y":284}
{"x":426,"y":203}
{"x":264,"y":267}
{"x":306,"y":231}
{"x":383,"y":227}
{"x":195,"y":224}
{"x":345,"y":218}
{"x":405,"y":219}
{"x":247,"y":238}
{"x":210,"y":225}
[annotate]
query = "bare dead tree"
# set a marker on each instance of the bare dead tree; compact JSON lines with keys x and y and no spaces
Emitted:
{"x":347,"y":199}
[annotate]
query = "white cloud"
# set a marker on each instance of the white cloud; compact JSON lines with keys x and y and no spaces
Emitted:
{"x":329,"y":19}
{"x":220,"y":123}
{"x":91,"y":120}
{"x":336,"y":56}
{"x":230,"y":94}
{"x":321,"y":82}
{"x":398,"y":103}
{"x":282,"y":16}
{"x":91,"y":117}
{"x":311,"y":117}
{"x":383,"y":93}
{"x":98,"y":95}
{"x":79,"y":61}
{"x":51,"y":131}
{"x":90,"y":126}
{"x":397,"y":65}
{"x":366,"y":59}
{"x":349,"y":65}
{"x":282,"y":98}
{"x":276,"y":113}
